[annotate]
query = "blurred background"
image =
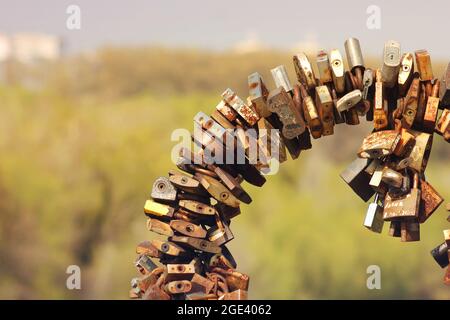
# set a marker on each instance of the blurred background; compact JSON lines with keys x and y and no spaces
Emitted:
{"x":85,"y":121}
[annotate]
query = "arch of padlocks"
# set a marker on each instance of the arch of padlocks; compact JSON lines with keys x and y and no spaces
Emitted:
{"x":194,"y":205}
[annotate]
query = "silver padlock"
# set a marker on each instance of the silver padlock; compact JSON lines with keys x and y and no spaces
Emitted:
{"x":367,"y":82}
{"x":374,"y":216}
{"x":281,"y":79}
{"x":163,"y":190}
{"x":353,"y":53}
{"x":391,"y":63}
{"x":406,"y":73}
{"x":348,"y":101}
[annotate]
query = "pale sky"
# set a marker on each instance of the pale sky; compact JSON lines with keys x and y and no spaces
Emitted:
{"x":221,"y":24}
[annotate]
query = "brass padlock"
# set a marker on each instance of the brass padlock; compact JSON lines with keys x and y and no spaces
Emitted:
{"x":374,"y":216}
{"x":323,"y":65}
{"x":440,"y":254}
{"x":226,"y":212}
{"x":187,"y":184}
{"x":429,"y":202}
{"x":337,"y":70}
{"x":410,"y":230}
{"x":358,"y":179}
{"x":217,"y":190}
{"x":310,"y":112}
{"x":177,"y":287}
{"x":379,"y":144}
{"x":281,"y":103}
{"x":144,"y":264}
{"x":325,"y":106}
{"x":163,"y":190}
{"x":159,"y":227}
{"x":220,"y":234}
{"x":177,"y":272}
{"x":404,"y":207}
{"x":168,"y":248}
{"x":234,"y":279}
{"x":304,"y":70}
{"x":423,"y":62}
{"x":444,"y":89}
{"x":188,"y":228}
{"x":198,"y":244}
{"x":158,"y":210}
{"x":146,"y":247}
{"x":405,"y":74}
{"x":246,"y":112}
{"x":411,"y":104}
{"x":281,"y":79}
{"x":379,"y":112}
{"x":197,"y":207}
{"x":391,"y":63}
{"x":258,"y":94}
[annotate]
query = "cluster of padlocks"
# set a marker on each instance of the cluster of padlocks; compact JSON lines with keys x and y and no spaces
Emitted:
{"x":193,"y":207}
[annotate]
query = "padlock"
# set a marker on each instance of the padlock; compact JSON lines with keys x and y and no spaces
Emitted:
{"x":188,"y":229}
{"x":217,"y":190}
{"x":198,"y":244}
{"x":163,"y":190}
{"x":405,"y":74}
{"x":234,"y":279}
{"x":246,"y":112}
{"x":410,"y":230}
{"x":303,"y":141}
{"x":405,"y":144}
{"x":391,"y":63}
{"x":430,"y":201}
{"x":395,"y":229}
{"x":281,"y":79}
{"x":177,"y":287}
{"x":337,"y":70}
{"x":224,"y":260}
{"x":376,"y":181}
{"x":226,"y":212}
{"x":358,"y":179}
{"x":281,"y":103}
{"x":323,"y":65}
{"x":187,"y":184}
{"x":443,"y":125}
{"x":158,"y":210}
{"x":220,"y":234}
{"x":392,"y":177}
{"x":146,"y":247}
{"x":444,"y":89}
{"x":411,"y":103}
{"x":258,"y":94}
{"x":270,"y":141}
{"x":421,"y":151}
{"x":423,"y":62}
{"x":230,"y":182}
{"x":440,"y":254}
{"x":144,"y":264}
{"x":177,"y":272}
{"x":159,"y":227}
{"x":304,"y":71}
{"x":310,"y":112}
{"x":168,"y":248}
{"x":210,"y":126}
{"x":367,"y":91}
{"x":325,"y":106}
{"x":221,"y":120}
{"x":379,"y":112}
{"x":197,"y":207}
{"x":156,"y":292}
{"x":355,"y":60}
{"x":235,"y":295}
{"x":374,"y":216}
{"x":379,"y":144}
{"x":201,"y":284}
{"x":431,"y":110}
{"x":227,"y":111}
{"x":405,"y":207}
{"x":349,"y":100}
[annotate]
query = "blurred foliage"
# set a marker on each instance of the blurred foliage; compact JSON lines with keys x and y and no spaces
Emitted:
{"x":78,"y":157}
